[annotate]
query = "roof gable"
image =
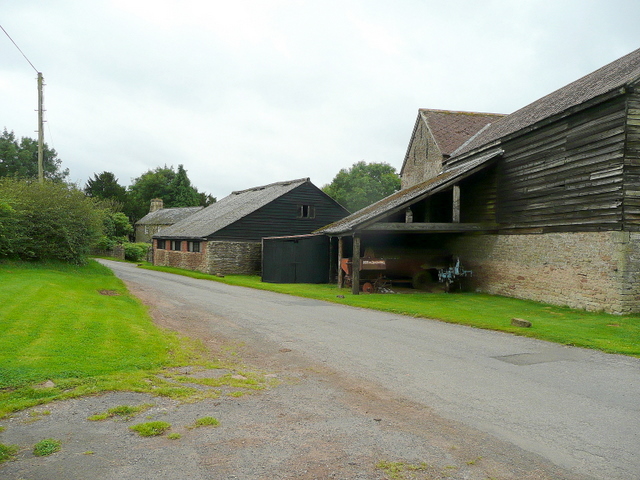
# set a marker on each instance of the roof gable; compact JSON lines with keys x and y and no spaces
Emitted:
{"x":610,"y":78}
{"x":229,"y":210}
{"x":449,"y":129}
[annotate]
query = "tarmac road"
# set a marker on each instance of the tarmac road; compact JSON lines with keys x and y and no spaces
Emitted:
{"x":577,"y":408}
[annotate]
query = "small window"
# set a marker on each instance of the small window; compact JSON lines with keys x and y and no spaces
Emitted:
{"x":176,"y":245}
{"x":193,"y":247}
{"x":306,"y":211}
{"x":162,"y":244}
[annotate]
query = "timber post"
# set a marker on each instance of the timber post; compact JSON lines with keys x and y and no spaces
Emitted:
{"x":455,"y":216}
{"x":355,"y":265}
{"x":340,"y":255}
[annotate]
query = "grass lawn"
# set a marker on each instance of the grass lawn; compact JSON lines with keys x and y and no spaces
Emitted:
{"x":610,"y":333}
{"x":80,"y":329}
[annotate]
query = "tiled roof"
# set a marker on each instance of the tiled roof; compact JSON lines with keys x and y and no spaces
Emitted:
{"x":407,"y":196}
{"x":167,"y":216}
{"x":228,"y":210}
{"x":451,"y":129}
{"x":609,"y":78}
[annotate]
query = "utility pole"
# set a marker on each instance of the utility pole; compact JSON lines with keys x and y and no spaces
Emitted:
{"x":40,"y":130}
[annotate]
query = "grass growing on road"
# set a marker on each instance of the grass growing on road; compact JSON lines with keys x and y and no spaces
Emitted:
{"x":609,"y":333}
{"x":69,"y":331}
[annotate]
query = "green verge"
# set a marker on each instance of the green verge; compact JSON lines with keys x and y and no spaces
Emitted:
{"x":69,"y":331}
{"x":601,"y":331}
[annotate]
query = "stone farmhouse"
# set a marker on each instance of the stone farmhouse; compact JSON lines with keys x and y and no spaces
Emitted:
{"x":225,"y":237}
{"x":159,"y":218}
{"x":541,"y":204}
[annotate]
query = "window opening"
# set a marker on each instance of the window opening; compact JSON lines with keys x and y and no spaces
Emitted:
{"x":306,"y":211}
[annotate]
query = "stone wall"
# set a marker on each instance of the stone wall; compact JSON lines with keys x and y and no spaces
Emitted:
{"x":181,"y":259}
{"x":424,"y":159}
{"x":234,"y":258}
{"x":592,"y":271}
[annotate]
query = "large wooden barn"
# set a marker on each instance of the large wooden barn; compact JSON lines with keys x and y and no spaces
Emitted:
{"x":226,"y":236}
{"x":541,"y":204}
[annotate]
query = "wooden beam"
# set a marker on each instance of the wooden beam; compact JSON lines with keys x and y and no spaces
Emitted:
{"x":355,"y":265}
{"x":431,"y":227}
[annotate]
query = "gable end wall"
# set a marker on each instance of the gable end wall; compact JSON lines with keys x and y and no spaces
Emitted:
{"x":424,"y":159}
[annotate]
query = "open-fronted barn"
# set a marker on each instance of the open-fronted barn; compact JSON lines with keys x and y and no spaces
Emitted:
{"x":541,"y":204}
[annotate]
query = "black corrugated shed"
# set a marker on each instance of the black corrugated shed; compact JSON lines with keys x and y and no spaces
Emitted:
{"x":296,"y":259}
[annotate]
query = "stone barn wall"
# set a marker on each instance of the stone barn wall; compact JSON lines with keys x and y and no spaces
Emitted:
{"x":592,"y":271}
{"x":234,"y":258}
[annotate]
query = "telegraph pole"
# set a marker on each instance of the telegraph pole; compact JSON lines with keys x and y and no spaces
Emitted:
{"x":40,"y":112}
{"x":40,"y":130}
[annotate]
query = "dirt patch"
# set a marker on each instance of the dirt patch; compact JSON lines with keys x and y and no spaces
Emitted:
{"x":316,"y":424}
{"x":111,"y":293}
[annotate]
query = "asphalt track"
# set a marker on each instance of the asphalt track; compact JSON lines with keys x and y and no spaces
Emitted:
{"x":578,"y":408}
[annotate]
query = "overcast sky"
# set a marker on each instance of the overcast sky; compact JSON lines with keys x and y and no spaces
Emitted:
{"x":245,"y":93}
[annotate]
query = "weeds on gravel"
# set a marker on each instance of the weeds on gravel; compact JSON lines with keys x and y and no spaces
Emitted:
{"x":126,"y":412}
{"x":402,"y":470}
{"x":7,"y":452}
{"x":151,"y":429}
{"x":46,"y":447}
{"x":174,"y":436}
{"x":205,"y":422}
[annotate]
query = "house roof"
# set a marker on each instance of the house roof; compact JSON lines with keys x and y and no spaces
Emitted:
{"x":228,"y":210}
{"x":167,"y":216}
{"x":608,"y":79}
{"x":408,"y":196}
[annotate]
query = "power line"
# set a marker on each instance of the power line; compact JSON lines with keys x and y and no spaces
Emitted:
{"x":25,"y":57}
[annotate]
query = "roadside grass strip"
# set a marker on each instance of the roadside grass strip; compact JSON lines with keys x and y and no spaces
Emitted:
{"x":596,"y":330}
{"x":70,"y":331}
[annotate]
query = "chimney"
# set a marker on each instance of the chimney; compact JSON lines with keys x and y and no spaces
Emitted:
{"x":156,"y":204}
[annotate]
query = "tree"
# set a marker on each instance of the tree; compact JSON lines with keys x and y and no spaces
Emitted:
{"x":174,"y":188}
{"x":363,"y":184}
{"x":105,"y":186}
{"x":182,"y":193}
{"x":48,"y":221}
{"x":20,"y":159}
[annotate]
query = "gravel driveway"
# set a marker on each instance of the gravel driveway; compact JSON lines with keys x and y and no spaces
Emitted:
{"x":320,"y":422}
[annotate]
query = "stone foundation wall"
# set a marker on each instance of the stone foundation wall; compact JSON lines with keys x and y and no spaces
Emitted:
{"x":592,"y":271}
{"x":234,"y":258}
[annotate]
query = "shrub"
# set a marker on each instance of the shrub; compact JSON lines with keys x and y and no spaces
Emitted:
{"x":48,"y":221}
{"x":136,"y":252}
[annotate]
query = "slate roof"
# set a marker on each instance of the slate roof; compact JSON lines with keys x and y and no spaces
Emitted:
{"x":228,"y":210}
{"x":408,"y":196}
{"x":167,"y":216}
{"x":451,"y":129}
{"x":611,"y":77}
